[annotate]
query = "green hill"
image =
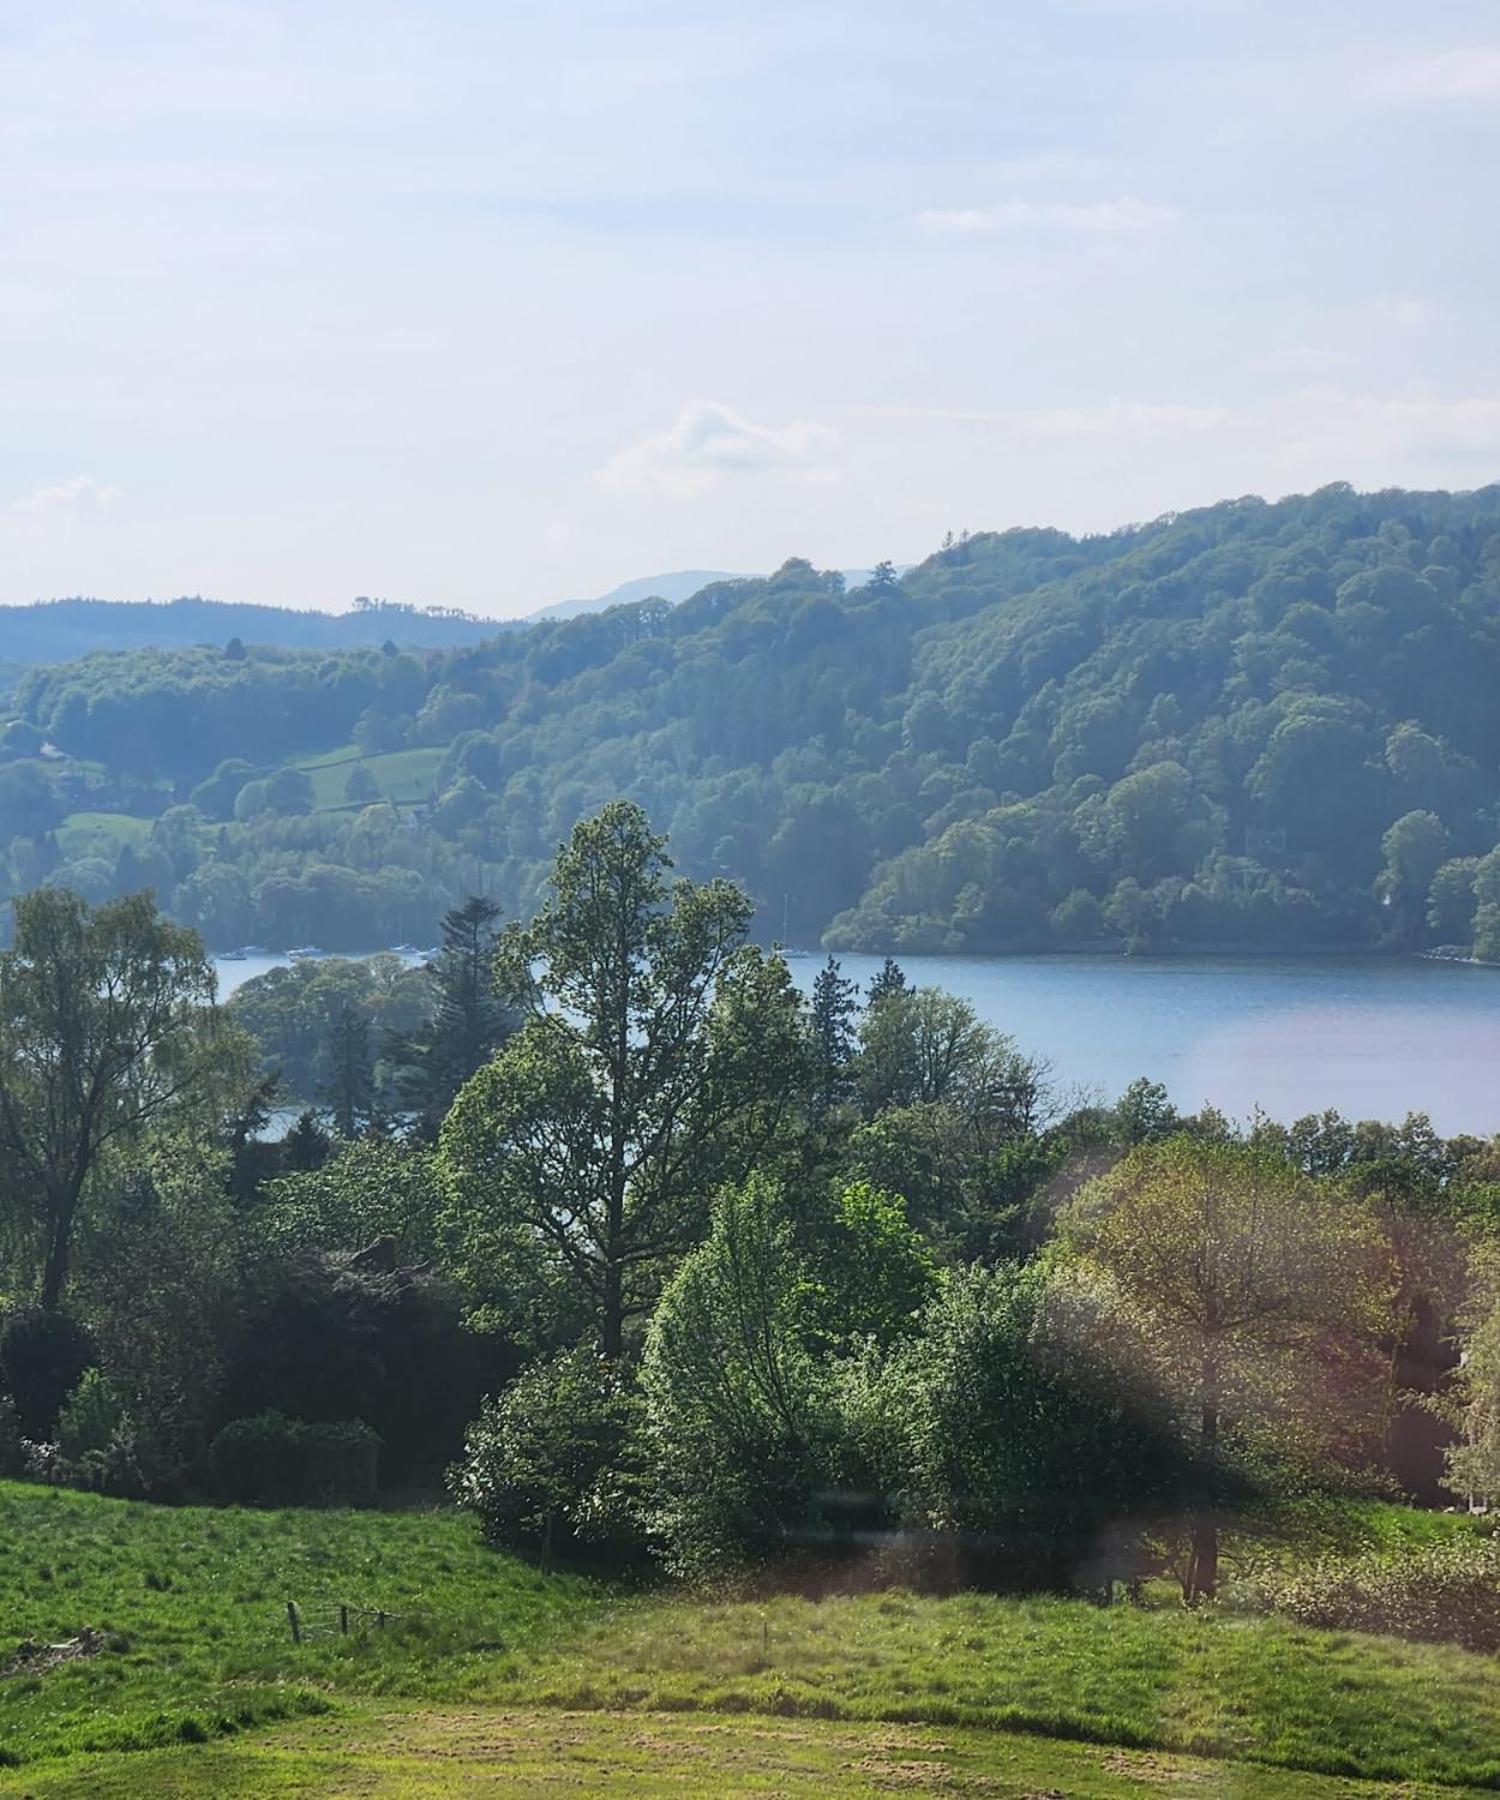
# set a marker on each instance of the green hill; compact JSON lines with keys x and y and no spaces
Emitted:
{"x":1265,"y":725}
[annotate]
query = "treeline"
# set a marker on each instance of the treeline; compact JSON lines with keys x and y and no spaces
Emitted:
{"x":54,"y":631}
{"x":713,"y":1274}
{"x":1251,"y":725}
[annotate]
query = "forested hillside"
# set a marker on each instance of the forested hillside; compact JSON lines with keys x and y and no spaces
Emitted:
{"x":1255,"y":724}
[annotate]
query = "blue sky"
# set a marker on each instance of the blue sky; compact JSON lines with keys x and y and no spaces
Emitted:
{"x":489,"y":305}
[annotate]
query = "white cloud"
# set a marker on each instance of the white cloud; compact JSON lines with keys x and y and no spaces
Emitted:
{"x":1435,"y":439}
{"x":82,"y":496}
{"x":1450,"y":75}
{"x":1098,"y":218}
{"x":709,"y":443}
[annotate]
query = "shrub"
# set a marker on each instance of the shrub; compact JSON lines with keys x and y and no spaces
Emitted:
{"x":271,"y":1460}
{"x":43,"y":1355}
{"x":1441,"y":1593}
{"x":91,"y":1417}
{"x":553,"y":1462}
{"x":741,"y":1414}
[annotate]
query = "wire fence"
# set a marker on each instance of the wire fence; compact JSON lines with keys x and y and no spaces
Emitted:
{"x":335,"y":1620}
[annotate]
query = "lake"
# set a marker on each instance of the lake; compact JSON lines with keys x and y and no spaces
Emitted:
{"x":1374,"y":1037}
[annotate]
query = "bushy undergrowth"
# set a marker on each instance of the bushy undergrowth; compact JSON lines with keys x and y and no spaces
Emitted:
{"x":1439,"y":1593}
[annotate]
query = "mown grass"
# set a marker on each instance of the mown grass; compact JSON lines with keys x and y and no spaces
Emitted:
{"x":1256,"y":1689}
{"x":192,"y":1602}
{"x":400,"y":1755}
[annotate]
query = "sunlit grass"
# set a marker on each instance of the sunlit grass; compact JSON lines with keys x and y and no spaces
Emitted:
{"x":192,"y":1602}
{"x":1212,"y":1684}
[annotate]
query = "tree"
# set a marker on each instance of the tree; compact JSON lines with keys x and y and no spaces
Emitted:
{"x":469,"y":1020}
{"x":106,"y":1031}
{"x":739,"y":1417}
{"x":835,"y":1003}
{"x":554,"y":1461}
{"x":349,"y":1091}
{"x":998,"y":1441}
{"x":888,"y":979}
{"x":924,"y":1047}
{"x":290,"y":791}
{"x":1414,"y":849}
{"x":361,"y":787}
{"x":659,"y":1055}
{"x":1246,"y":1298}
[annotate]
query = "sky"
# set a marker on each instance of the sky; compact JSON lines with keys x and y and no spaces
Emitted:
{"x":489,"y":305}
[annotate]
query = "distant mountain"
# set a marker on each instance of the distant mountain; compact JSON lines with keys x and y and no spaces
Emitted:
{"x":674,"y":589}
{"x":55,"y":631}
{"x":681,"y":585}
{"x":52,"y":631}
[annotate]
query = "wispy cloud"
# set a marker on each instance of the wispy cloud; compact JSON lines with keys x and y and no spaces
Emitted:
{"x":709,"y":444}
{"x":1127,"y":419}
{"x":82,"y":496}
{"x":1447,"y":76}
{"x":1096,"y":218}
{"x":1121,"y":419}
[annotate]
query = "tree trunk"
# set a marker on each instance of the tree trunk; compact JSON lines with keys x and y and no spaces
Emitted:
{"x":59,"y":1248}
{"x":1203,"y":1562}
{"x":612,"y":1311}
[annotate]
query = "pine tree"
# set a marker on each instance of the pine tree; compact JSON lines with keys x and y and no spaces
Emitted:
{"x":469,"y":1021}
{"x":835,"y":1001}
{"x":349,"y":1092}
{"x":891,"y":979}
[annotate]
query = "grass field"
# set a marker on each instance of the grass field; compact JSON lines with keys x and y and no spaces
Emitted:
{"x":192,"y":1603}
{"x":491,"y":1675}
{"x":81,"y":830}
{"x":404,"y":1754}
{"x":403,"y":776}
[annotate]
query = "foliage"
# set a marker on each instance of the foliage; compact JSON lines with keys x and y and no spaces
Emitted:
{"x":293,"y":1012}
{"x":1246,"y":724}
{"x":1024,"y":1467}
{"x":369,"y":1189}
{"x":1447,"y":1593}
{"x":553,"y":1462}
{"x":741,"y":1422}
{"x":658,"y":1054}
{"x":329,"y":1337}
{"x":271,"y":1460}
{"x":466,"y":1021}
{"x":105,"y":1033}
{"x":1245,"y":1298}
{"x":1474,"y":1403}
{"x":43,"y":1356}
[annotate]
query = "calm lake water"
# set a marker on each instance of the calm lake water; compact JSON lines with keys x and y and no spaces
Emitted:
{"x":1375,"y":1038}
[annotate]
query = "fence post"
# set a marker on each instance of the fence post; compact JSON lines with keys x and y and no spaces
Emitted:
{"x":294,"y":1621}
{"x":380,"y":1620}
{"x":343,"y":1621}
